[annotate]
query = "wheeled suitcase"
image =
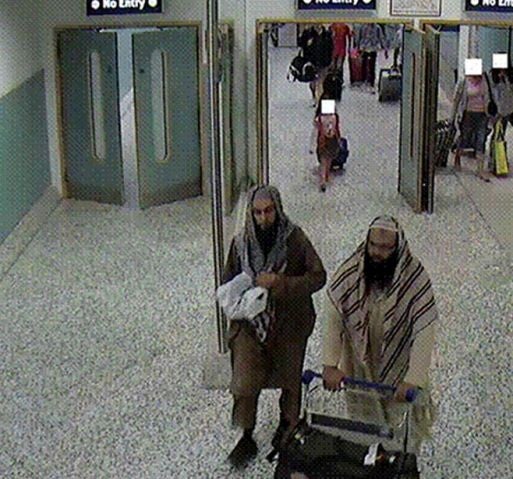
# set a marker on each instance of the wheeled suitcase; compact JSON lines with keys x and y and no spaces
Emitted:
{"x":340,"y":162}
{"x":355,"y":67}
{"x":332,"y":86}
{"x":317,"y":449}
{"x":445,"y":133}
{"x":390,"y":85}
{"x":319,"y":455}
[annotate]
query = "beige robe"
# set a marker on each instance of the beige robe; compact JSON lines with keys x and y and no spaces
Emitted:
{"x":338,"y":351}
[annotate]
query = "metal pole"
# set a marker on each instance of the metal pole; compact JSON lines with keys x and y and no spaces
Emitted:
{"x":216,"y":172}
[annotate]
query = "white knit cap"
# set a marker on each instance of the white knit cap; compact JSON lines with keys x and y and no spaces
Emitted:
{"x":385,"y":223}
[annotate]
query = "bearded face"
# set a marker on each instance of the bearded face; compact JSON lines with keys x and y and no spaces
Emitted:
{"x":381,"y":256}
{"x":264,"y":213}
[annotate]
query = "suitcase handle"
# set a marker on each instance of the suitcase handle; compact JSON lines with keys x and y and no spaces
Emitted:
{"x":411,"y":394}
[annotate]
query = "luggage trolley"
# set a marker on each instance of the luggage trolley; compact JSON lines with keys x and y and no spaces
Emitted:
{"x":326,"y":444}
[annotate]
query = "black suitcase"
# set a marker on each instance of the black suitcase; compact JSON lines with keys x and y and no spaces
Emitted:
{"x":319,"y":455}
{"x":445,"y":133}
{"x":340,"y":162}
{"x":315,"y":450}
{"x":390,"y":85}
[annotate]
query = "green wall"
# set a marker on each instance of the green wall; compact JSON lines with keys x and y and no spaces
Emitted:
{"x":24,"y":157}
{"x":492,"y":40}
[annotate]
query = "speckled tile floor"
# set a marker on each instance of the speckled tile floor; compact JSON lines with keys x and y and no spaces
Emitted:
{"x":106,"y":316}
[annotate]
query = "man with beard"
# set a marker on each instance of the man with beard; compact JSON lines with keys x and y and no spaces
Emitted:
{"x":381,"y":326}
{"x":268,"y":351}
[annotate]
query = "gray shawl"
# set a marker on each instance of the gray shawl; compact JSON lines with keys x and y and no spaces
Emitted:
{"x":253,"y":261}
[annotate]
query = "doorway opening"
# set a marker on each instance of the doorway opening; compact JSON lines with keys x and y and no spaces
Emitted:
{"x":473,"y":39}
{"x":371,"y":122}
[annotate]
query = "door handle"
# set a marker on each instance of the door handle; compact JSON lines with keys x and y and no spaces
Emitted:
{"x":141,"y":70}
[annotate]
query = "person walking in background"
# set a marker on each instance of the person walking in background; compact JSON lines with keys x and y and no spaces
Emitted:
{"x":370,"y":39}
{"x":326,"y":135}
{"x":473,"y":108}
{"x":308,"y":42}
{"x":502,"y":90}
{"x":397,"y":46}
{"x":323,"y":58}
{"x":342,"y":34}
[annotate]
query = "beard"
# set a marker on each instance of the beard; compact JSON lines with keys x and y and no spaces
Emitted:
{"x":380,"y":273}
{"x":266,"y":237}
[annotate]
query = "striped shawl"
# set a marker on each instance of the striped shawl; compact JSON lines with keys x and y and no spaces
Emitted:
{"x":410,"y":306}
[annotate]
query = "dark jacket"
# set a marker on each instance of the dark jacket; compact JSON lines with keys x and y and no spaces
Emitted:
{"x":303,"y":276}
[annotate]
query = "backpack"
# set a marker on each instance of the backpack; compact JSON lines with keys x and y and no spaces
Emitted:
{"x":302,"y":70}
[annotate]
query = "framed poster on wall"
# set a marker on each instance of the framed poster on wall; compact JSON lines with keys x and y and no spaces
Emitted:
{"x":416,"y":8}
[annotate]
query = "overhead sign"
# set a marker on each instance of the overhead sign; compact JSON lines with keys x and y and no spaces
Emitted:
{"x":497,"y":6}
{"x":118,"y":7}
{"x":336,"y":4}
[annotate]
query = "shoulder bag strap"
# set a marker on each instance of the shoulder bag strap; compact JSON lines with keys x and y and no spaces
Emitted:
{"x":498,"y":131}
{"x":460,"y":87}
{"x":488,"y":85}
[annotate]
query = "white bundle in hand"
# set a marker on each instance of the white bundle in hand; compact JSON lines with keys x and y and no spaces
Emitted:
{"x":240,"y":300}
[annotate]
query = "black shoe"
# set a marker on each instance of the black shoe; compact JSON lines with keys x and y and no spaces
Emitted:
{"x":279,"y":434}
{"x":245,"y":451}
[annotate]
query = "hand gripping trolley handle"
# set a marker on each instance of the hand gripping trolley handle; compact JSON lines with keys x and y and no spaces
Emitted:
{"x":316,"y":418}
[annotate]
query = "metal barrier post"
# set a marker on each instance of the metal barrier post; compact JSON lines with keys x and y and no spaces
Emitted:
{"x":216,"y":168}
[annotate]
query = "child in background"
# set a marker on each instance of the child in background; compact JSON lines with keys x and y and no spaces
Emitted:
{"x":327,"y":131}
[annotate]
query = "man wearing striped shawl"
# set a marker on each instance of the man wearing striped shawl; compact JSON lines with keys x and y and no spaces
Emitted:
{"x":268,"y":351}
{"x":381,"y":326}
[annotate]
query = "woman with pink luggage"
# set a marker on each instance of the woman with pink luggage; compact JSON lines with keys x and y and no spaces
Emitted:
{"x":327,"y":131}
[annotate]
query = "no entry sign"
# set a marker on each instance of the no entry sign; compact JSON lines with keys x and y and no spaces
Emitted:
{"x":336,"y":4}
{"x":118,"y":7}
{"x":497,"y":6}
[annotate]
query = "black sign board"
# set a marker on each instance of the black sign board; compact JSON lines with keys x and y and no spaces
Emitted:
{"x":119,"y":7}
{"x":496,"y":6}
{"x":336,"y":4}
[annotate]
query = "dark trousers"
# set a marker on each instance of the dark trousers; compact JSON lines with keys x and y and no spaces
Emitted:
{"x":369,"y":67}
{"x":256,"y":367}
{"x":338,"y":64}
{"x":245,"y":408}
{"x":396,"y":57}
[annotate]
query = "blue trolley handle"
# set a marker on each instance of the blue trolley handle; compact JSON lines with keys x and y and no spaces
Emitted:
{"x":411,"y":394}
